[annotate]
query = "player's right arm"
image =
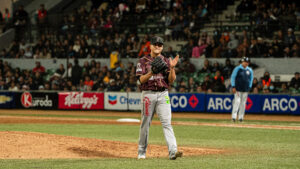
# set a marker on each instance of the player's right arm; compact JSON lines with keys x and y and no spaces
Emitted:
{"x":233,"y":77}
{"x":141,"y":72}
{"x":146,"y":77}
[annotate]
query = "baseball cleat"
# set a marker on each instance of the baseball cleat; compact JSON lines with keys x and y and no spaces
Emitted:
{"x":175,"y":155}
{"x":141,"y":156}
{"x":233,"y":120}
{"x":241,"y":120}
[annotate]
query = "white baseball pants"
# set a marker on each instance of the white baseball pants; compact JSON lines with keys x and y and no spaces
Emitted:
{"x":239,"y":104}
{"x":158,"y":102}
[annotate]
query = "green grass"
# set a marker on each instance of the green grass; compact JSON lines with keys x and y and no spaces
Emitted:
{"x":258,"y":122}
{"x":255,"y":148}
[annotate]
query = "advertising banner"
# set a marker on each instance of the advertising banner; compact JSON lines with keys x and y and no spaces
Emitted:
{"x":7,"y":100}
{"x":218,"y":103}
{"x":81,"y":100}
{"x":115,"y":101}
{"x":36,"y":100}
{"x":279,"y":104}
{"x":181,"y":102}
{"x":253,"y":104}
{"x":223,"y":103}
{"x":293,"y":110}
{"x":134,"y":101}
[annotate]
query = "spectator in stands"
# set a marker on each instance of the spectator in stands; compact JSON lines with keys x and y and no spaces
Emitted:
{"x":186,"y":66}
{"x":218,"y":82}
{"x":188,"y":49}
{"x":212,"y":49}
{"x":38,"y":68}
{"x":255,"y":90}
{"x":289,"y":38}
{"x":266,"y":90}
{"x":216,"y":67}
{"x":42,"y":19}
{"x":88,"y":83}
{"x":6,"y":16}
{"x":272,"y":88}
{"x":13,"y":86}
{"x":3,"y":86}
{"x":255,"y":84}
{"x":28,"y":53}
{"x":266,"y":80}
{"x":61,"y":70}
{"x":207,"y":84}
{"x":295,"y":81}
{"x":232,"y":45}
{"x":170,"y":52}
{"x":112,"y":87}
{"x":145,"y":47}
{"x":207,"y":65}
{"x":38,"y":79}
{"x":284,"y":88}
{"x":76,"y":73}
{"x":192,"y":86}
{"x":45,"y":54}
{"x":1,"y":18}
{"x":227,"y":69}
{"x":20,"y":21}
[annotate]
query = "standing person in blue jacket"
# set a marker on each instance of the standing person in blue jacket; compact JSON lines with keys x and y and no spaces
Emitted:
{"x":241,"y":82}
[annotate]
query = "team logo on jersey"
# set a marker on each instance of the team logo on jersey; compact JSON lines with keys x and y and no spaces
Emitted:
{"x":26,"y":99}
{"x":193,"y":101}
{"x":167,"y":99}
{"x":138,"y":67}
{"x":147,"y":104}
{"x":248,"y":72}
{"x":112,"y":99}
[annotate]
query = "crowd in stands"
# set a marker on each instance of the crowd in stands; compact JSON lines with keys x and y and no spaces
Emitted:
{"x":268,"y":16}
{"x":99,"y":33}
{"x":92,"y":76}
{"x":230,"y":45}
{"x":107,"y":27}
{"x":270,"y":34}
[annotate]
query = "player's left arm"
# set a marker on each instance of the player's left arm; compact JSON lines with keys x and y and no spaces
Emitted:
{"x":251,"y":78}
{"x":172,"y":73}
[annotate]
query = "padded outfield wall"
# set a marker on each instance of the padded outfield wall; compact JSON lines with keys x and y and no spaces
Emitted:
{"x":180,"y":102}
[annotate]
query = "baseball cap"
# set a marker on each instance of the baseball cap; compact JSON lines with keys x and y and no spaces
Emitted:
{"x":245,"y":59}
{"x":157,"y":39}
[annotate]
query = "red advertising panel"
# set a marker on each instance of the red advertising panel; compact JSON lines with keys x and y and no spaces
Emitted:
{"x":81,"y":100}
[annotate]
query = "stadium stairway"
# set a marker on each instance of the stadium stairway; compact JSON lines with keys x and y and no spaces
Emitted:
{"x":225,"y":21}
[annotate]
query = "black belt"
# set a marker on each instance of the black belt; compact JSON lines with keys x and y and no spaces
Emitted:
{"x":157,"y":90}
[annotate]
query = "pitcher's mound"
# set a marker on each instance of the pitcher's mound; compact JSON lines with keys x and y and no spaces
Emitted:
{"x":31,"y":145}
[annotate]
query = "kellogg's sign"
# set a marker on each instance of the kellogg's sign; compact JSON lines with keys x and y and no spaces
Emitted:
{"x":80,"y":100}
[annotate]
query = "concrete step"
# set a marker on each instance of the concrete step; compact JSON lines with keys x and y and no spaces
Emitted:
{"x":226,"y":23}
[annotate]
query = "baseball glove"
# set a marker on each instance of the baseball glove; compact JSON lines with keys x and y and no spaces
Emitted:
{"x":158,"y":65}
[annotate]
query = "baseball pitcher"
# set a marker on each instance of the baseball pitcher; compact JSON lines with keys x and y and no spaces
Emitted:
{"x":241,"y":82}
{"x":156,"y":73}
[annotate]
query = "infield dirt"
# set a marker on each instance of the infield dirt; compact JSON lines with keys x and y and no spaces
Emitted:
{"x":31,"y":145}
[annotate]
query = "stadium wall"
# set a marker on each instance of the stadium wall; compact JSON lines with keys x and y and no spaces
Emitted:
{"x":273,"y":65}
{"x":180,"y":102}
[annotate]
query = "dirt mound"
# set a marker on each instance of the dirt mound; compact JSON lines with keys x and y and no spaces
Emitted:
{"x":31,"y":145}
